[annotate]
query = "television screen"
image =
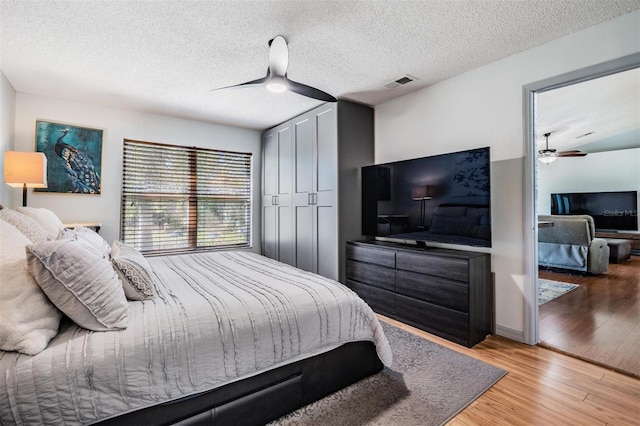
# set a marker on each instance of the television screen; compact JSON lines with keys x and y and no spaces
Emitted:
{"x":443,"y":198}
{"x":611,"y":210}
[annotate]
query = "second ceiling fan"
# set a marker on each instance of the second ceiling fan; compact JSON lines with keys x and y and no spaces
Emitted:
{"x":548,"y":155}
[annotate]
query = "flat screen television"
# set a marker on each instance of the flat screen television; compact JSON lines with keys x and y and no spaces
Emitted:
{"x":442,"y":198}
{"x":611,"y":210}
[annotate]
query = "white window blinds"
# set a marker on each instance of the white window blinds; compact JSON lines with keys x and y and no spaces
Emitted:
{"x":179,"y":199}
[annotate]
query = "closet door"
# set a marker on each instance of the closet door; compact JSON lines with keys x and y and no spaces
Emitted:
{"x":304,"y":146}
{"x":315,"y":212}
{"x":277,"y":218}
{"x":325,"y":186}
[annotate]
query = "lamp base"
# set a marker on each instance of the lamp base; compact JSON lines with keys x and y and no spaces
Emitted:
{"x":24,"y":195}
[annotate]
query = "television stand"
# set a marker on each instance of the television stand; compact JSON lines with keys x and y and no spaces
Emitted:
{"x":445,"y":292}
{"x":623,"y":235}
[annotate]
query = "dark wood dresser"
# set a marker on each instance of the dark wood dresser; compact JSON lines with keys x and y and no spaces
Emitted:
{"x":445,"y":292}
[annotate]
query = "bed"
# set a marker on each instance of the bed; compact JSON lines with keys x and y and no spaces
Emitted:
{"x":226,"y":338}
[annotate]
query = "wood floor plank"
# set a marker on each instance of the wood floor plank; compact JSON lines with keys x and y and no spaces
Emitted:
{"x":544,"y":387}
{"x":599,"y":321}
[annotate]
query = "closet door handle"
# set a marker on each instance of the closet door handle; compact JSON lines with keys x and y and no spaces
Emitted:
{"x":315,"y":199}
{"x":310,"y":199}
{"x":274,"y":200}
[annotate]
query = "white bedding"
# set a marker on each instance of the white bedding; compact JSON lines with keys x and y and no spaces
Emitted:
{"x":216,"y":318}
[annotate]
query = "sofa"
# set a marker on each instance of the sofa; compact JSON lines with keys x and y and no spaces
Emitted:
{"x":570,"y":243}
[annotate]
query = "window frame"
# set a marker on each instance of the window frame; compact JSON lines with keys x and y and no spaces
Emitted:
{"x":191,"y":197}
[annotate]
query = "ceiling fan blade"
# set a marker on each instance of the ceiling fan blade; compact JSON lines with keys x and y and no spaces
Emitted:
{"x":310,"y":92}
{"x":252,"y":83}
{"x":571,"y":154}
{"x":278,"y":56}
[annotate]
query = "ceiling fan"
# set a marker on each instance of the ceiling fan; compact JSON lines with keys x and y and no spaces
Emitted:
{"x":548,"y":155}
{"x":276,"y":79}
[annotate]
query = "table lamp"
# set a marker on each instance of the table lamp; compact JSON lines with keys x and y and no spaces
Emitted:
{"x":26,"y":170}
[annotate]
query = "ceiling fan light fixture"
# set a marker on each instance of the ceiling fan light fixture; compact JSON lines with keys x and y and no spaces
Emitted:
{"x":276,"y":87}
{"x":547,"y":157}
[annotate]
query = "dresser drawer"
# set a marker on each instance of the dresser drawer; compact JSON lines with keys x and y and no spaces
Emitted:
{"x":380,"y":257}
{"x":381,"y":301}
{"x":443,"y":322}
{"x":441,"y":291}
{"x":374,"y":275}
{"x":441,"y":266}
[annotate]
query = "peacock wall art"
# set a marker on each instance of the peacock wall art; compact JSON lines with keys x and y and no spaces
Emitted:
{"x":74,"y":157}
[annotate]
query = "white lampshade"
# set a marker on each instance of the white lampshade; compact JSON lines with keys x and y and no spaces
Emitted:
{"x":25,"y":169}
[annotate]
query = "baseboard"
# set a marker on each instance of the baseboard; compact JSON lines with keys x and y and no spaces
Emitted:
{"x":510,"y":333}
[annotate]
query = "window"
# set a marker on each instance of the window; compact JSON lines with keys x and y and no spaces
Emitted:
{"x":179,"y":199}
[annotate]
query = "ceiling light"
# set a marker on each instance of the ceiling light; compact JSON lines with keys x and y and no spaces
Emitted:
{"x":276,"y":87}
{"x":547,"y":155}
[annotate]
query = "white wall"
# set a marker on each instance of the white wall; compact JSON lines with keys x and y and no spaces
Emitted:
{"x":119,"y":124}
{"x":600,"y":171}
{"x":484,"y":107}
{"x":7,"y":118}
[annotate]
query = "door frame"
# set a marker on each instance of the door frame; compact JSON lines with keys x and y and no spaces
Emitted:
{"x":530,"y":190}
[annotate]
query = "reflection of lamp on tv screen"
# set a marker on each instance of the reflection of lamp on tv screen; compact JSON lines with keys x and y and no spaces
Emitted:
{"x":421,"y":193}
{"x":611,"y":210}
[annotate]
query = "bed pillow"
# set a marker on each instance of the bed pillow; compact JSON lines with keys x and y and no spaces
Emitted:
{"x":28,"y":320}
{"x":29,"y":227}
{"x":87,"y":235}
{"x":134,"y":271}
{"x":45,"y":218}
{"x":80,"y":282}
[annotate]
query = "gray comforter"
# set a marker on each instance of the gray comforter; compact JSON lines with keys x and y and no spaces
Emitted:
{"x":216,"y":318}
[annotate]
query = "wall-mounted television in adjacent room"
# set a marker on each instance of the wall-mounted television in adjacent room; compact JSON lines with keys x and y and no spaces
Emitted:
{"x":442,"y":198}
{"x":611,"y":210}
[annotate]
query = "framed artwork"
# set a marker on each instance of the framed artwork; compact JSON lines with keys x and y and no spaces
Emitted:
{"x":74,"y":157}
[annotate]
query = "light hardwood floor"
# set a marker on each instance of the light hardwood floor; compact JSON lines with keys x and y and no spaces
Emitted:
{"x":544,"y":387}
{"x":598,"y":321}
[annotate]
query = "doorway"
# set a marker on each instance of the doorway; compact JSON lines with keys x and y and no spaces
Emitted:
{"x":532,"y":207}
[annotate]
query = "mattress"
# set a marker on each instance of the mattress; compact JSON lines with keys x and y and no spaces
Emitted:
{"x":216,"y":318}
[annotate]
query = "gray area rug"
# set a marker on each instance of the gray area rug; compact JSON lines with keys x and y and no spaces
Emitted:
{"x":549,"y":290}
{"x":428,"y":384}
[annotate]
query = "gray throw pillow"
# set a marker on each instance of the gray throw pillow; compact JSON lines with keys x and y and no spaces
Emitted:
{"x":134,"y":271}
{"x":80,"y":282}
{"x":89,"y":236}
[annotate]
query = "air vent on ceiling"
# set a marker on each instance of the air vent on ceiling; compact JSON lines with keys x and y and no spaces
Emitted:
{"x":400,"y":82}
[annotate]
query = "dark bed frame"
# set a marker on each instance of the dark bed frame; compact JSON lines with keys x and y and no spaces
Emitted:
{"x":267,"y":396}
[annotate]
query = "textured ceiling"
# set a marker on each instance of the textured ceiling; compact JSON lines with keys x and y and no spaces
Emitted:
{"x":166,"y":56}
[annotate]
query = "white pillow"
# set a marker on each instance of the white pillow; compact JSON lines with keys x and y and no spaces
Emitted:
{"x":80,"y":282}
{"x":29,"y":227}
{"x":28,"y":320}
{"x":89,"y":236}
{"x":134,"y":271}
{"x":46,"y":218}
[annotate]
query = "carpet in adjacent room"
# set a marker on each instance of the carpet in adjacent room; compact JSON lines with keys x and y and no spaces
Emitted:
{"x":549,"y":290}
{"x":427,"y":384}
